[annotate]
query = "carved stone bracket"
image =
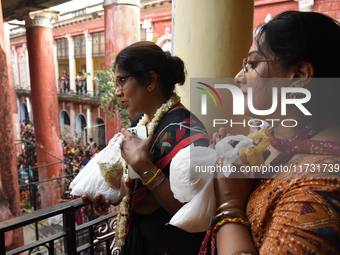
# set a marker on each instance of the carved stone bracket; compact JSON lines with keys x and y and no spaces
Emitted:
{"x":87,"y":35}
{"x":69,"y":38}
{"x":41,"y":18}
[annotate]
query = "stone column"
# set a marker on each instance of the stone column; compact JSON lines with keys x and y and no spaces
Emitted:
{"x":55,"y":62}
{"x":27,"y":67}
{"x":89,"y":68}
{"x":89,"y":121}
{"x":9,"y":183}
{"x":44,"y":93}
{"x":71,"y":62}
{"x":122,"y":28}
{"x":72,"y":119}
{"x":218,"y":52}
{"x":15,"y":66}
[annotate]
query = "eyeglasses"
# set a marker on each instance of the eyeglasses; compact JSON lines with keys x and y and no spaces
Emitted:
{"x":120,"y":81}
{"x":252,"y":64}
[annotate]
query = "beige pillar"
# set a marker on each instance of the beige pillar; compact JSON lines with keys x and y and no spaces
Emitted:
{"x":212,"y":40}
{"x":89,"y":121}
{"x":89,"y":68}
{"x":72,"y":118}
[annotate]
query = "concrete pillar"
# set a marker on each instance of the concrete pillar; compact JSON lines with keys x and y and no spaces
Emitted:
{"x":27,"y":67}
{"x":44,"y":92}
{"x":122,"y":28}
{"x":89,"y":68}
{"x":72,"y":118}
{"x":15,"y":116}
{"x":15,"y":66}
{"x":9,"y":183}
{"x":218,"y":42}
{"x":55,"y":62}
{"x":71,"y":62}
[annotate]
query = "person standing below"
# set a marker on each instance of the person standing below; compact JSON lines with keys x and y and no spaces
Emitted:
{"x":67,"y":81}
{"x":84,"y":77}
{"x":91,"y":143}
{"x":79,"y":82}
{"x":62,"y":83}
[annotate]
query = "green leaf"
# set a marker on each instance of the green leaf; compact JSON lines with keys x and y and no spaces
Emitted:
{"x":108,"y":100}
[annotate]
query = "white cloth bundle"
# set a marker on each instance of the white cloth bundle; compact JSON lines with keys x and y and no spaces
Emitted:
{"x":192,"y":173}
{"x":101,"y":173}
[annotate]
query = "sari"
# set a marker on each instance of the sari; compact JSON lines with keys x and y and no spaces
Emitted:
{"x":150,"y":234}
{"x":296,"y":211}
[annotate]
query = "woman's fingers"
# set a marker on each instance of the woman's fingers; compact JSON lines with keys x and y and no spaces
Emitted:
{"x":107,"y":203}
{"x":222,"y":132}
{"x":97,"y":201}
{"x":86,"y":200}
{"x":235,"y":188}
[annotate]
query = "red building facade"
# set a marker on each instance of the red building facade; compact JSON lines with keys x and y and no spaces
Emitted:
{"x":79,"y":46}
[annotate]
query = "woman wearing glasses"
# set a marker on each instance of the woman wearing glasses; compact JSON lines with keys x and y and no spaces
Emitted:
{"x":297,"y":212}
{"x":146,"y":78}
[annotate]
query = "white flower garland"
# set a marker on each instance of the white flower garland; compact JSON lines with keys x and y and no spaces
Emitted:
{"x":124,"y":206}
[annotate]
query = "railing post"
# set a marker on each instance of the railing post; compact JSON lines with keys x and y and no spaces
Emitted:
{"x":2,"y":243}
{"x":34,"y":191}
{"x":70,"y":241}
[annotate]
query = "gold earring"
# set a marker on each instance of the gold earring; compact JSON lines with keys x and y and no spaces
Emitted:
{"x":150,"y":88}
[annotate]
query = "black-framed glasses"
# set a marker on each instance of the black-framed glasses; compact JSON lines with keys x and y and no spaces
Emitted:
{"x":252,"y":64}
{"x":120,"y":81}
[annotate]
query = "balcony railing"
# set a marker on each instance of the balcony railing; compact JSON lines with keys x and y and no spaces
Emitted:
{"x":72,"y":239}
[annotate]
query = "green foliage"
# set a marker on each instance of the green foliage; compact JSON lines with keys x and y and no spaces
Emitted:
{"x":155,"y":37}
{"x":108,"y":101}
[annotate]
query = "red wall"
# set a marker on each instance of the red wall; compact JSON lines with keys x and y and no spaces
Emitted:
{"x":275,"y":7}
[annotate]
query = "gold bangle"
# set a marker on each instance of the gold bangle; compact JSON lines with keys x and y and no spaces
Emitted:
{"x":229,"y":203}
{"x":158,"y":173}
{"x":229,"y":220}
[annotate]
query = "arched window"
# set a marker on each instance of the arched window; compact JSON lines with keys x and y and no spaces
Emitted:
{"x":64,"y":120}
{"x":80,"y":126}
{"x":23,"y":71}
{"x":99,"y":132}
{"x":23,"y":112}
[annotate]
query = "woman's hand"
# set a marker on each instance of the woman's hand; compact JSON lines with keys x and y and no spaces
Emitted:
{"x":236,"y":188}
{"x":222,"y":132}
{"x":97,"y":201}
{"x":136,"y":152}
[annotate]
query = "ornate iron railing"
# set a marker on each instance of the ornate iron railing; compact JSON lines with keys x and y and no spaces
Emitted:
{"x":72,"y":240}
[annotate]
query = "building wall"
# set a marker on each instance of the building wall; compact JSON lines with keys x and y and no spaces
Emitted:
{"x":275,"y":7}
{"x":78,"y":27}
{"x":160,"y":15}
{"x":161,"y":19}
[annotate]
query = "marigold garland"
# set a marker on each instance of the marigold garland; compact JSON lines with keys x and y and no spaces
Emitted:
{"x":124,"y":206}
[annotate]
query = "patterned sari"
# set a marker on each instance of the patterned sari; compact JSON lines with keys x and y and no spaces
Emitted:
{"x":149,"y":234}
{"x":298,"y":211}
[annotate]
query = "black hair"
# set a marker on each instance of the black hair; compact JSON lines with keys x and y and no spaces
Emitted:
{"x":307,"y":37}
{"x":303,"y":37}
{"x":141,"y":57}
